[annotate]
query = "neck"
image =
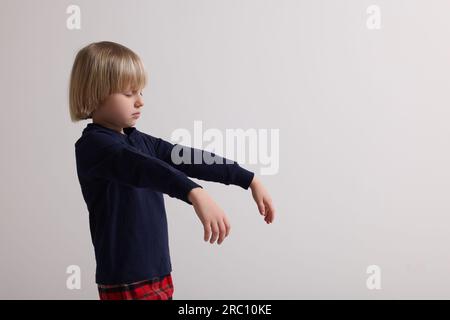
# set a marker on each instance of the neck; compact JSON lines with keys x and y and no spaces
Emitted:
{"x":108,"y":125}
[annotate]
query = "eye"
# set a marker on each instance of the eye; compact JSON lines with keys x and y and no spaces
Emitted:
{"x":131,"y":94}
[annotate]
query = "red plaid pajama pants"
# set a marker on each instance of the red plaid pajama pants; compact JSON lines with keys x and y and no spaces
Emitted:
{"x":159,"y":288}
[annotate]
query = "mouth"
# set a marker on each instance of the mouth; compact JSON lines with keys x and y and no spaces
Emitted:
{"x":136,"y":114}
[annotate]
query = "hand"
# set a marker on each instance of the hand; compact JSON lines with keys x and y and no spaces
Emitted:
{"x":263,"y":200}
{"x":210,"y":214}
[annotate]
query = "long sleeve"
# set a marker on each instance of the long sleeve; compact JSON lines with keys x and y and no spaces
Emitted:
{"x":222,"y":170}
{"x":125,"y":164}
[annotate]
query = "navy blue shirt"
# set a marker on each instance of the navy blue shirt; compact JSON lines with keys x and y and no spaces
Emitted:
{"x":123,"y":178}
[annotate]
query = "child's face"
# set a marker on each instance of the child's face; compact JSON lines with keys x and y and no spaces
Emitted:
{"x":120,"y":108}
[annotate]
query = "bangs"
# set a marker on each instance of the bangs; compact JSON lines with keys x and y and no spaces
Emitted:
{"x":130,"y":74}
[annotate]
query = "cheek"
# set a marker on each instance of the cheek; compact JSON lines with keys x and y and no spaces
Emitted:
{"x":120,"y":105}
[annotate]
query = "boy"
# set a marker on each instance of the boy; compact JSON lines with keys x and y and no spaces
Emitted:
{"x":123,"y":174}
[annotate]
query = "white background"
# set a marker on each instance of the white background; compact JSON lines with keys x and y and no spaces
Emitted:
{"x":364,"y":143}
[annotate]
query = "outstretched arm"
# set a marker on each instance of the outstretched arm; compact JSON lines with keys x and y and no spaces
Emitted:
{"x":102,"y":157}
{"x":200,"y":164}
{"x":215,"y":222}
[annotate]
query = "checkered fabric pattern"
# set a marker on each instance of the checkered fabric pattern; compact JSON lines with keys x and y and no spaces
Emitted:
{"x":158,"y":288}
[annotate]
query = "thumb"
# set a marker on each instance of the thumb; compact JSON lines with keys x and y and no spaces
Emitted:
{"x":261,"y":207}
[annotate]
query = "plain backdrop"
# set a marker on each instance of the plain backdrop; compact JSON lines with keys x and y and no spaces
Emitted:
{"x":364,"y":154}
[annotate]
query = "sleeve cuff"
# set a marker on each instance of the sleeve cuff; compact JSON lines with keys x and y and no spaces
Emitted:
{"x":181,"y":187}
{"x":242,"y":177}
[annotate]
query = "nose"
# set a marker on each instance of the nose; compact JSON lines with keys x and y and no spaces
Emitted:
{"x":139,"y":103}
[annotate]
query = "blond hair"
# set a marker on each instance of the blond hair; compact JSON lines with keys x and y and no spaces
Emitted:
{"x":101,"y":69}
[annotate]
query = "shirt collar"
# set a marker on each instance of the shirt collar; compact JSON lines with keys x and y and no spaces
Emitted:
{"x":129,"y":131}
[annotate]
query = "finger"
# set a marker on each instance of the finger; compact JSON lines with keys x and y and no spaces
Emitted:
{"x":207,"y":231}
{"x":215,"y":231}
{"x":227,"y":226}
{"x":222,"y":231}
{"x":267,"y":217}
{"x":261,"y":207}
{"x":272,"y":212}
{"x":266,"y":210}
